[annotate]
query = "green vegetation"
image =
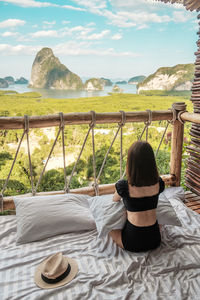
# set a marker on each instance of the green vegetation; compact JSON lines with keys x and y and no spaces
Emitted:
{"x":185,"y":95}
{"x":33,"y":104}
{"x":41,"y":143}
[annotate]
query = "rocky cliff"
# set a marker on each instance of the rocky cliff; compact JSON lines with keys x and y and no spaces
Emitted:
{"x":21,"y":80}
{"x":117,"y":89}
{"x":106,"y":82}
{"x":94,"y":84}
{"x":47,"y":72}
{"x":177,"y":78}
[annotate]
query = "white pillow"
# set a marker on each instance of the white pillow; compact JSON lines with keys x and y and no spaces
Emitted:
{"x":111,"y":215}
{"x":108,"y":214}
{"x":166,"y":215}
{"x":177,"y":193}
{"x":39,"y":217}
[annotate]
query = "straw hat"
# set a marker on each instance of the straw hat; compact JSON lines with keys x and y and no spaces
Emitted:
{"x":55,"y":271}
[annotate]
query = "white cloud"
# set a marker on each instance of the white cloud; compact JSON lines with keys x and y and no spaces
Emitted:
{"x":49,"y":23}
{"x":12,"y":23}
{"x":44,"y":33}
{"x":18,"y":49}
{"x":142,"y":5}
{"x":73,"y":8}
{"x":29,"y":3}
{"x":116,"y":36}
{"x":66,"y":22}
{"x":10,"y":34}
{"x":91,"y":24}
{"x":77,"y":31}
{"x":69,"y":48}
{"x":132,"y":19}
{"x":33,"y":3}
{"x":92,"y":4}
{"x":94,"y":36}
{"x":181,"y":16}
{"x":144,"y":17}
{"x":83,"y":48}
{"x":135,"y":13}
{"x":143,"y":26}
{"x":83,"y":32}
{"x":77,"y":28}
{"x":117,"y":20}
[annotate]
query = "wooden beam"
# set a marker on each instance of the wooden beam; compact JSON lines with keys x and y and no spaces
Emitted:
{"x":104,"y":189}
{"x":177,"y":144}
{"x":190,"y":117}
{"x":82,"y":118}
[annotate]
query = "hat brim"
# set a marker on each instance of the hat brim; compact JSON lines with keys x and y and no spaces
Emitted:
{"x":43,"y":285}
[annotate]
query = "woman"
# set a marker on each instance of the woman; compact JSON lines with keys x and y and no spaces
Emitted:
{"x":140,"y":196}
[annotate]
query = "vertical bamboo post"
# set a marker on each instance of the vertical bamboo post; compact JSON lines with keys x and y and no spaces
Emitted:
{"x":177,"y":142}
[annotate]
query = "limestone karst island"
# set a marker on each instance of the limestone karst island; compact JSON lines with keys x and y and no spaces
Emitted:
{"x":49,"y":73}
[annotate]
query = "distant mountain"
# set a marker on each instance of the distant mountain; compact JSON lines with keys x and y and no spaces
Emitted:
{"x":3,"y":83}
{"x":119,"y":79}
{"x":9,"y":79}
{"x":106,"y":82}
{"x":47,"y":72}
{"x":21,"y":80}
{"x":177,"y":78}
{"x":121,"y":82}
{"x":94,"y":84}
{"x":136,"y":79}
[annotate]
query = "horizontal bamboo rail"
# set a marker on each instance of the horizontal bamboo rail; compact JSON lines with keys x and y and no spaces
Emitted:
{"x":82,"y":118}
{"x":190,"y":117}
{"x":85,"y":118}
{"x":104,"y":189}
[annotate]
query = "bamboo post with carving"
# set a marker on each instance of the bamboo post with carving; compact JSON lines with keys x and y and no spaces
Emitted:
{"x":177,"y":142}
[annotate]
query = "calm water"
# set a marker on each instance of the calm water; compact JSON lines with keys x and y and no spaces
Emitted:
{"x":48,"y":93}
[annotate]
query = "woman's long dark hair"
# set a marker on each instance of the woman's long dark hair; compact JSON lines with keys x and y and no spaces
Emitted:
{"x":141,"y":166}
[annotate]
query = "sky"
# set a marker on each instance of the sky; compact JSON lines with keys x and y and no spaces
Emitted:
{"x":96,"y":38}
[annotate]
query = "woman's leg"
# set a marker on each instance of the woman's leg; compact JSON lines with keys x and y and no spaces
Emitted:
{"x":117,"y":237}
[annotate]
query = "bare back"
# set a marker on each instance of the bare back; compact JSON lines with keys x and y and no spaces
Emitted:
{"x":147,"y":217}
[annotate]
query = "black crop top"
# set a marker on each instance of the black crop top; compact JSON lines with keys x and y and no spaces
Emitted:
{"x":135,"y":203}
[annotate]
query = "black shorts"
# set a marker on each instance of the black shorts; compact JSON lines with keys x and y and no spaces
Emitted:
{"x":139,"y":239}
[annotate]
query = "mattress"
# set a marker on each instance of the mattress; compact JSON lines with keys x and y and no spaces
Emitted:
{"x":172,"y":271}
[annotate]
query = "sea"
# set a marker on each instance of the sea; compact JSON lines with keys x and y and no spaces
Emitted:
{"x":52,"y":93}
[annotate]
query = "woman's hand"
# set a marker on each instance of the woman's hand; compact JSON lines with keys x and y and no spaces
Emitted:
{"x":116,"y":197}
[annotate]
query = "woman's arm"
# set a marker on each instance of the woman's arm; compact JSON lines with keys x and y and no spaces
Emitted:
{"x":116,"y":197}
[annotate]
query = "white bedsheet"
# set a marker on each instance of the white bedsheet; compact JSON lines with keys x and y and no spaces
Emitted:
{"x":105,"y":271}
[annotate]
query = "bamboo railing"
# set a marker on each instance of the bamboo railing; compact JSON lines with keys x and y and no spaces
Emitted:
{"x":177,"y":115}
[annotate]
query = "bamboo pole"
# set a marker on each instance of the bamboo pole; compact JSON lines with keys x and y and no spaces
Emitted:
{"x":177,"y":144}
{"x":82,"y":118}
{"x":104,"y":189}
{"x":190,"y":117}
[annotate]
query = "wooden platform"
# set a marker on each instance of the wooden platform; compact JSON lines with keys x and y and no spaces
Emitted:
{"x":192,"y":201}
